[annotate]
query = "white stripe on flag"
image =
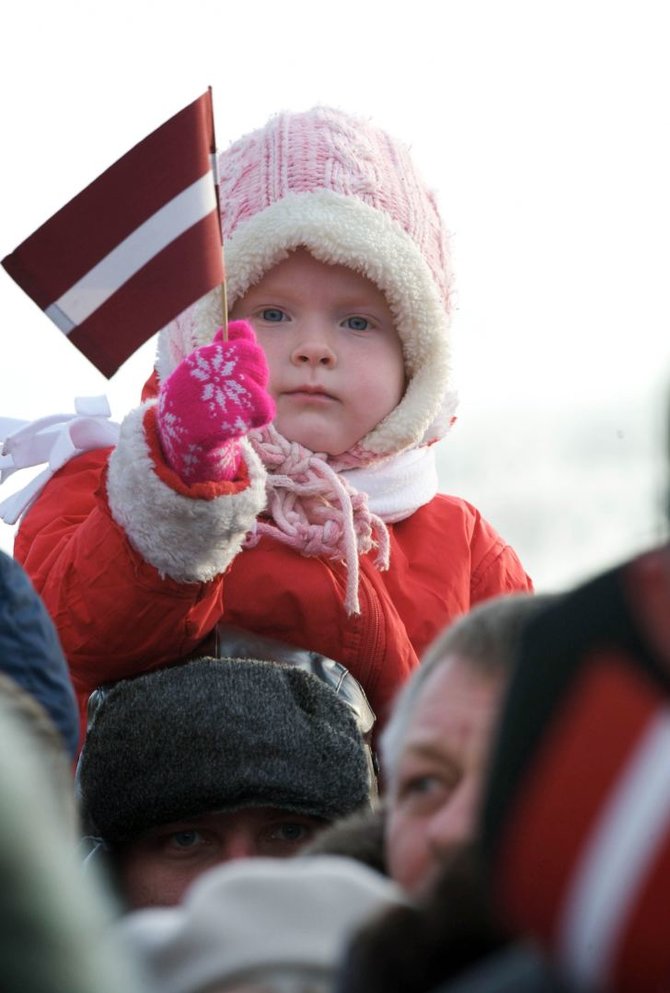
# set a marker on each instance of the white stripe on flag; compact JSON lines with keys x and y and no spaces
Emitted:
{"x":615,"y":859}
{"x":110,"y":273}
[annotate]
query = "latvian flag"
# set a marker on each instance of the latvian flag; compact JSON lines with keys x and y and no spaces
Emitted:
{"x":135,"y":248}
{"x":577,"y":813}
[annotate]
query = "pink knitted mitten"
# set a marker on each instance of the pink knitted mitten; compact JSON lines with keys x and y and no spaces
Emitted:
{"x":213,"y":397}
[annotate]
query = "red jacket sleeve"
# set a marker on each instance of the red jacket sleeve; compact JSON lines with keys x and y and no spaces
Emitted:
{"x":129,"y":561}
{"x":114,"y":612}
{"x":496,"y":568}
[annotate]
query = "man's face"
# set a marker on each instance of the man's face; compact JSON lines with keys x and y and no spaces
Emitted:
{"x":435,"y":790}
{"x":156,"y":868}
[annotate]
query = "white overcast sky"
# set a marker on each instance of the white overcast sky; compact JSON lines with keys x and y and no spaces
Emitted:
{"x":543,"y":127}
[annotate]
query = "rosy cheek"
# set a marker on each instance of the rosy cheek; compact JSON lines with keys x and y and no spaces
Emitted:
{"x":272,"y":357}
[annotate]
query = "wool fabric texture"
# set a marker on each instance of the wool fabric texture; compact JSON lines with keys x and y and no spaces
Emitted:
{"x":219,"y":734}
{"x":254,"y":919}
{"x":351,"y":195}
{"x":336,"y":522}
{"x":216,"y":395}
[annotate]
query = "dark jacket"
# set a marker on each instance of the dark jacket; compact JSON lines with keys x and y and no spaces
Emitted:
{"x":30,"y":652}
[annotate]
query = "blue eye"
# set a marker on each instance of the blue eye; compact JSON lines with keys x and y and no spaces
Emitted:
{"x":273,"y":315}
{"x":289,"y":833}
{"x":357,"y":323}
{"x":421,"y":790}
{"x":186,"y":839}
{"x":422,"y":784}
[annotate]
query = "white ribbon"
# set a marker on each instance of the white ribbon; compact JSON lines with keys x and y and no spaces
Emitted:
{"x":53,"y":440}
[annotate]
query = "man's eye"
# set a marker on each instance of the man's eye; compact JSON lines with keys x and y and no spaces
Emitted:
{"x":290,"y":832}
{"x":185,"y":839}
{"x":357,"y":323}
{"x":273,"y":315}
{"x":423,"y":790}
{"x":421,"y":784}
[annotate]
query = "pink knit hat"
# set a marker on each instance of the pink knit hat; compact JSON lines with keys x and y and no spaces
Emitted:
{"x":350,"y":194}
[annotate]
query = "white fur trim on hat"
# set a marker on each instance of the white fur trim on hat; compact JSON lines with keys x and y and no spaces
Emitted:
{"x":186,"y":539}
{"x":340,"y":230}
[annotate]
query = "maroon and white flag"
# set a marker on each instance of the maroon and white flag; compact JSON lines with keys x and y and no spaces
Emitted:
{"x":135,"y":248}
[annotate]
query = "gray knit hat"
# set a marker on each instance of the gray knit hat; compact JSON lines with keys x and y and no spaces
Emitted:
{"x":219,"y":734}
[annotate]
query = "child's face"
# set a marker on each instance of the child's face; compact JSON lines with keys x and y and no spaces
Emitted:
{"x":336,"y":364}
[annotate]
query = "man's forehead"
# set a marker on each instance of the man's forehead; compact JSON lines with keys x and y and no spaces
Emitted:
{"x":456,"y":691}
{"x":456,"y":672}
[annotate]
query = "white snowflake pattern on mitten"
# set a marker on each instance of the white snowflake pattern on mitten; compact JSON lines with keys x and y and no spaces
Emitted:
{"x":214,"y":396}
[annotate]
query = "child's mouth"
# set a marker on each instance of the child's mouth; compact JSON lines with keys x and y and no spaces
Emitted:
{"x":310,"y":395}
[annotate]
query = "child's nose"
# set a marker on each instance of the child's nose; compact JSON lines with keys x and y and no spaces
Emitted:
{"x":314,"y":350}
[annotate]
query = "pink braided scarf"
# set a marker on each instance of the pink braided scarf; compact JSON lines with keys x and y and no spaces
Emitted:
{"x":316,"y":511}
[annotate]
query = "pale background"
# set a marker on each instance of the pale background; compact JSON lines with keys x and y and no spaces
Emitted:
{"x":543,"y":127}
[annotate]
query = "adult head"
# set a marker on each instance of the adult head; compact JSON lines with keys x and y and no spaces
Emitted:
{"x":216,"y":760}
{"x":436,"y":745}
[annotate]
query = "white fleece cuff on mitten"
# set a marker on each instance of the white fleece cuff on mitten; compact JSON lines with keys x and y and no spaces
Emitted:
{"x":188,"y":539}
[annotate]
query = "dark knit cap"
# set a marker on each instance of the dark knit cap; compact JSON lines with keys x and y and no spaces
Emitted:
{"x":219,"y":734}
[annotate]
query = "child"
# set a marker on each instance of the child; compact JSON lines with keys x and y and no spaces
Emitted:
{"x":321,"y":527}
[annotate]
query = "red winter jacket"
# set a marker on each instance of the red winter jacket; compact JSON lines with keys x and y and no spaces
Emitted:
{"x":121,"y":553}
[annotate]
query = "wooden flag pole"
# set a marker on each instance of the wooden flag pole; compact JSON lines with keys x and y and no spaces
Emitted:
{"x":215,"y":173}
{"x":224,"y":308}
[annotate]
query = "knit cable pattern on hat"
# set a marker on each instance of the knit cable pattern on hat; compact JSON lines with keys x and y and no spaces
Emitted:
{"x":350,"y":194}
{"x":324,"y":148}
{"x":315,"y":511}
